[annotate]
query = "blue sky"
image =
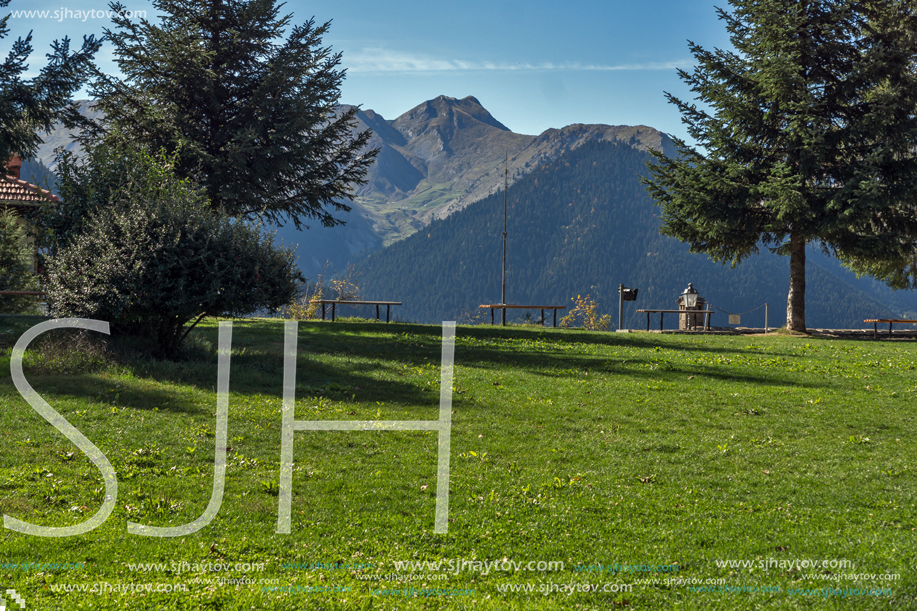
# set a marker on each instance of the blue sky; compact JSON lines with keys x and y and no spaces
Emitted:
{"x":533,"y":64}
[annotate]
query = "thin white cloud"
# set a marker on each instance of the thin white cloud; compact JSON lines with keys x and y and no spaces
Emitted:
{"x":378,"y":61}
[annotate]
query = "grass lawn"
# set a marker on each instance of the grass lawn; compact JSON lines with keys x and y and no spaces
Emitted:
{"x":619,"y":471}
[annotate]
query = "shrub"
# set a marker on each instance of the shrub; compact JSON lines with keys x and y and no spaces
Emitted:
{"x":472,"y":316}
{"x":300,"y":307}
{"x":586,"y":311}
{"x":86,"y":186}
{"x":155,"y":257}
{"x":343,"y":288}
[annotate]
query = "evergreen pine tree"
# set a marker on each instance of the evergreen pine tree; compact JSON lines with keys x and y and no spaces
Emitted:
{"x":254,"y":118}
{"x":805,"y":135}
{"x":29,"y":107}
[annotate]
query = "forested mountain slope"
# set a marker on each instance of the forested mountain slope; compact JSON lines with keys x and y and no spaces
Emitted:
{"x":585,"y":224}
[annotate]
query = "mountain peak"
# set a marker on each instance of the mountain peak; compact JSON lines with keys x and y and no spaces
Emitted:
{"x":467,"y":100}
{"x":447,"y":109}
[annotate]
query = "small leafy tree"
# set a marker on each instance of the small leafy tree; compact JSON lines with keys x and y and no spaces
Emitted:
{"x":15,"y":267}
{"x":157,"y":257}
{"x":586,"y":311}
{"x":344,"y":284}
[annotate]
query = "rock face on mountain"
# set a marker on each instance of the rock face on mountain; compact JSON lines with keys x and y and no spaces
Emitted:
{"x":61,"y":137}
{"x":446,"y":153}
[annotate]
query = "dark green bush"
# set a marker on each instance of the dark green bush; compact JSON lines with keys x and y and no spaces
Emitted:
{"x":155,"y":257}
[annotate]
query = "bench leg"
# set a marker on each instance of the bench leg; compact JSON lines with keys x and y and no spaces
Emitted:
{"x":492,"y":323}
{"x":332,"y":311}
{"x":661,"y":316}
{"x":555,"y":317}
{"x":542,"y":318}
{"x":323,"y":311}
{"x":889,"y":330}
{"x":377,"y":312}
{"x":388,"y":309}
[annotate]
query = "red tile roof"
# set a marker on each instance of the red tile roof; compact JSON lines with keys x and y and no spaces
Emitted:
{"x":16,"y":192}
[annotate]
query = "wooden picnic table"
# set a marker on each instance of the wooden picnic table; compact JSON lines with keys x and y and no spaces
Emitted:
{"x":336,"y":302}
{"x":875,"y":324}
{"x":507,"y":306}
{"x":662,"y":313}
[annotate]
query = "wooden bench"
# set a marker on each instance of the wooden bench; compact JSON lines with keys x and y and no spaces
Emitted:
{"x":334,"y":303}
{"x":692,"y":313}
{"x":506,"y":306}
{"x":875,"y":324}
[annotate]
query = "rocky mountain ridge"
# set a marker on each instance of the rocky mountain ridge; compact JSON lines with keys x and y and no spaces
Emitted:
{"x":447,"y":153}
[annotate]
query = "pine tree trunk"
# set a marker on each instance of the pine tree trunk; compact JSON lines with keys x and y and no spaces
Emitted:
{"x":796,"y":300}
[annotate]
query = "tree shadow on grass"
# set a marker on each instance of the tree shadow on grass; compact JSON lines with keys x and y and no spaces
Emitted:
{"x":583,"y":337}
{"x":343,"y":360}
{"x":70,"y":363}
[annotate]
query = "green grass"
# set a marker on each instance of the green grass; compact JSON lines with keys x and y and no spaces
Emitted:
{"x":571,"y":446}
{"x":396,"y":224}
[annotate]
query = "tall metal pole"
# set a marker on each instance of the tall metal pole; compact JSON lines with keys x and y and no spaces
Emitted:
{"x":505,"y":185}
{"x":621,"y":307}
